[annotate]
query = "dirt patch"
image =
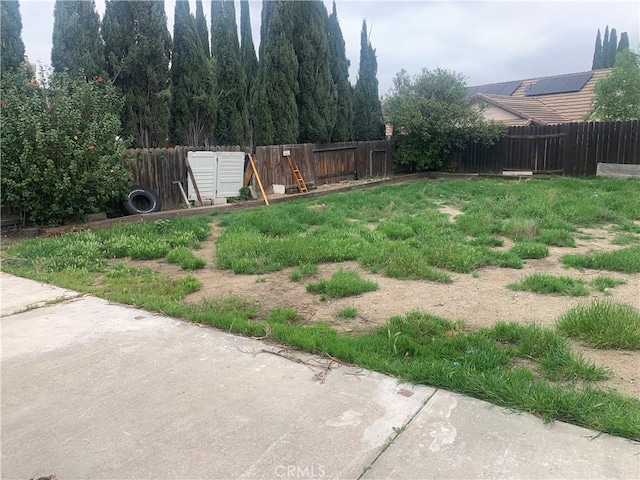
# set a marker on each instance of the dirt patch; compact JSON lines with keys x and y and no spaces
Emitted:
{"x":480,"y":300}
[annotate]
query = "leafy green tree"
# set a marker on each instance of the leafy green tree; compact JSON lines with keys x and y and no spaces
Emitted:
{"x":598,"y":59}
{"x":617,"y":96}
{"x":232,"y":124}
{"x":193,"y":106}
{"x":274,"y":95}
{"x":59,"y":156}
{"x":431,"y":115}
{"x":77,"y":44}
{"x":11,"y":45}
{"x":249,"y":60}
{"x":339,"y":64}
{"x":368,"y":122}
{"x":138,"y":51}
{"x":624,"y":42}
{"x":201,"y":27}
{"x":610,"y":52}
{"x":317,"y":96}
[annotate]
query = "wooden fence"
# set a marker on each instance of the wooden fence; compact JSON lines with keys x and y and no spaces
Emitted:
{"x":575,"y":149}
{"x":319,"y":164}
{"x":159,"y":168}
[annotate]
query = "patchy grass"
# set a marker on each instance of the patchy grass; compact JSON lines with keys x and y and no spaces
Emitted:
{"x":343,"y":283}
{"x":551,"y":285}
{"x":526,"y":250}
{"x":603,"y":325}
{"x":347,"y":312}
{"x":521,"y":367}
{"x":303,"y":271}
{"x":549,"y":349}
{"x":603,"y":283}
{"x":623,"y":260}
{"x":184,"y":257}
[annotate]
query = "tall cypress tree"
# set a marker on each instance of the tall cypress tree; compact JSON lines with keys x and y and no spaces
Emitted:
{"x":201,"y":27}
{"x":138,"y":50}
{"x":247,"y":48}
{"x":232,"y":123}
{"x":274,"y":95}
{"x":605,"y":47}
{"x":11,"y":45}
{"x":610,"y":53}
{"x":193,"y":107}
{"x":368,"y":122}
{"x":249,"y":60}
{"x":317,"y":97}
{"x":597,"y":53}
{"x":624,"y":42}
{"x":77,"y":44}
{"x":343,"y":127}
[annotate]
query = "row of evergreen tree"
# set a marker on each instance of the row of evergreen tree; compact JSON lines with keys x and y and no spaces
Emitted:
{"x":604,"y":54}
{"x":191,"y":91}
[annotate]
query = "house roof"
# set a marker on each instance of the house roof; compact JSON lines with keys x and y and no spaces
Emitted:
{"x":529,"y":108}
{"x":543,"y":109}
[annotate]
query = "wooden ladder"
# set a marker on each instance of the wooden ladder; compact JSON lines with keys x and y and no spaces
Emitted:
{"x":297,"y":176}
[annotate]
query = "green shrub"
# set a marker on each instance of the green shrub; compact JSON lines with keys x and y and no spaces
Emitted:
{"x":59,"y":154}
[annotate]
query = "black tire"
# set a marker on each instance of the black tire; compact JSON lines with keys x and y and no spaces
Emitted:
{"x":142,"y":200}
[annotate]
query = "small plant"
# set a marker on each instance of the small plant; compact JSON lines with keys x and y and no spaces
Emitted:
{"x":229,"y":304}
{"x":343,"y":283}
{"x":623,"y":260}
{"x":519,"y":229}
{"x":602,"y":283}
{"x":261,"y":280}
{"x":624,"y":239}
{"x":303,"y":271}
{"x":185,"y":258}
{"x":487,"y":241}
{"x":603,"y":325}
{"x":550,"y":285}
{"x":526,"y":250}
{"x":347,"y":312}
{"x":282,"y":316}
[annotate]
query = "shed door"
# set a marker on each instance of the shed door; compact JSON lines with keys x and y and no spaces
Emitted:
{"x":230,"y":174}
{"x":204,"y":167}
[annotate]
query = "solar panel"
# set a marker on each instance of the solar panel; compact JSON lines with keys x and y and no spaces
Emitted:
{"x":509,"y":87}
{"x":471,"y":91}
{"x":504,"y":88}
{"x":562,"y":84}
{"x":578,"y":81}
{"x":539,"y":87}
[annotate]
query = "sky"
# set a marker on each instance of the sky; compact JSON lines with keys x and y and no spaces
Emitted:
{"x":485,"y":41}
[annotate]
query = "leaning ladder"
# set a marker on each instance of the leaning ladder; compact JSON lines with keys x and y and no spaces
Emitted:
{"x":297,"y":176}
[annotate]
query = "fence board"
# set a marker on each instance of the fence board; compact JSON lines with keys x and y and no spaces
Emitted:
{"x":574,"y":148}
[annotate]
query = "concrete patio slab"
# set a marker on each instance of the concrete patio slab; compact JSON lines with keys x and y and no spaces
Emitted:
{"x":459,"y":437}
{"x":92,"y":389}
{"x":96,"y":390}
{"x":19,"y":293}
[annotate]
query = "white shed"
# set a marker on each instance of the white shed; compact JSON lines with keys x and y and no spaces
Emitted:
{"x":217,"y":174}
